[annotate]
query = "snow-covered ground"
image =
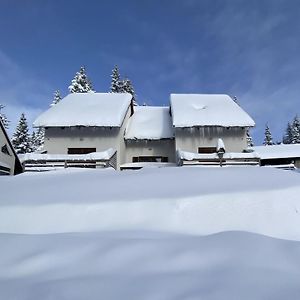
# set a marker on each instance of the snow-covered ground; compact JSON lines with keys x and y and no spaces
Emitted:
{"x":168,"y":233}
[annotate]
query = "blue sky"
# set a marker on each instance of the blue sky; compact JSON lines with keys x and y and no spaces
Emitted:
{"x":249,"y":49}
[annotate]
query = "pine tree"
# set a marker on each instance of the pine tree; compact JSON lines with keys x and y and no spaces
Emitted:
{"x":115,"y":80}
{"x":287,"y":138}
{"x":3,"y":118}
{"x":40,"y":136}
{"x":37,"y":139}
{"x":268,"y":137}
{"x":249,"y":139}
{"x":81,"y":83}
{"x":127,"y":87}
{"x":295,"y":131}
{"x":33,"y":141}
{"x":21,"y":139}
{"x":56,"y":98}
{"x":119,"y":85}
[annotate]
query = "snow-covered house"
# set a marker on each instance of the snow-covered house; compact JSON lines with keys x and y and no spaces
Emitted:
{"x":149,"y":136}
{"x":194,"y":124}
{"x":279,"y":155}
{"x":9,"y":161}
{"x":200,"y":120}
{"x":87,"y":122}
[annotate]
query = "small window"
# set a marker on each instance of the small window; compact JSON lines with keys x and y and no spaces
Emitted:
{"x":81,"y":150}
{"x":207,"y":150}
{"x":4,"y":150}
{"x":150,"y":159}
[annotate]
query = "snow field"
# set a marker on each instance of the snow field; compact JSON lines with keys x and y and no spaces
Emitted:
{"x":188,"y":200}
{"x":153,"y":234}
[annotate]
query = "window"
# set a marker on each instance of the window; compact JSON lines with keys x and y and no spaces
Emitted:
{"x":4,"y":150}
{"x":207,"y":150}
{"x":81,"y":150}
{"x":150,"y":159}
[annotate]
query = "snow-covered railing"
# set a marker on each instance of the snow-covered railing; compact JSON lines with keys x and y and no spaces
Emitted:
{"x":44,"y":162}
{"x":228,"y":158}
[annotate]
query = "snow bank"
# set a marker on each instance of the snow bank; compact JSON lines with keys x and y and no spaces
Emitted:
{"x":189,"y":200}
{"x":190,"y":110}
{"x":140,"y":265}
{"x":102,"y":234}
{"x":151,"y":123}
{"x":87,"y":109}
{"x":278,"y":151}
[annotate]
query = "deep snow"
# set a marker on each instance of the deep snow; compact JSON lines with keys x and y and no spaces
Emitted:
{"x":169,"y":233}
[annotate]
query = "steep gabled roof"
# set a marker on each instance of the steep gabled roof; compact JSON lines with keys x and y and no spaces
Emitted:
{"x":87,"y":109}
{"x":150,"y":123}
{"x":189,"y":110}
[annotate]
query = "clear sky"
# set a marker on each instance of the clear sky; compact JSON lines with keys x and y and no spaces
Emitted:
{"x":249,"y":49}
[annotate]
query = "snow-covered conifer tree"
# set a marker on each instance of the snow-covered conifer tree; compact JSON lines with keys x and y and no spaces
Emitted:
{"x":287,"y":138}
{"x":3,"y":118}
{"x":40,"y":137}
{"x":127,"y":87}
{"x":295,"y":131}
{"x":21,"y":139}
{"x":115,"y":80}
{"x":249,"y":139}
{"x":56,"y":98}
{"x":81,"y":83}
{"x":37,"y":139}
{"x":119,"y":85}
{"x":33,"y":141}
{"x":268,"y":137}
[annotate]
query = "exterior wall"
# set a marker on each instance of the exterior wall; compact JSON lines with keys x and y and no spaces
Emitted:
{"x":5,"y":158}
{"x":189,"y":139}
{"x":59,"y":139}
{"x":122,"y":149}
{"x":165,"y":148}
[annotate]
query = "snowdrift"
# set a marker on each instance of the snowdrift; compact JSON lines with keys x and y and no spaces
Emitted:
{"x":147,"y":266}
{"x":187,"y":200}
{"x":157,"y":234}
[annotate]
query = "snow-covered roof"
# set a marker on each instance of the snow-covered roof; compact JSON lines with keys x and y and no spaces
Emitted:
{"x":86,"y":109}
{"x":151,"y":123}
{"x":278,"y":151}
{"x":190,"y":110}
